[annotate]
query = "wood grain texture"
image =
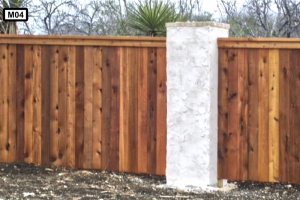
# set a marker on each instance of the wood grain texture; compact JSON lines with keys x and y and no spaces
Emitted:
{"x":28,"y":136}
{"x":263,"y":116}
{"x":142,"y":111}
{"x":294,"y":117}
{"x":11,"y":100}
{"x":106,"y":114}
{"x":124,"y":110}
{"x":84,"y":106}
{"x":97,"y":107}
{"x":151,"y":110}
{"x":36,"y":105}
{"x":45,"y":87}
{"x":161,"y":108}
{"x":253,"y":75}
{"x":88,"y":106}
{"x":20,"y":83}
{"x":54,"y":107}
{"x":233,"y":117}
{"x":79,"y":107}
{"x":284,"y":114}
{"x":114,"y":62}
{"x":71,"y":107}
{"x":222,"y":114}
{"x":243,"y":113}
{"x":3,"y":102}
{"x":274,"y":115}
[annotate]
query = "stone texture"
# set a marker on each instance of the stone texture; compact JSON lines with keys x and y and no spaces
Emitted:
{"x":192,"y":71}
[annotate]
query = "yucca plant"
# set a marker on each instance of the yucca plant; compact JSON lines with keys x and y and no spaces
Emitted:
{"x":150,"y":18}
{"x":9,"y":27}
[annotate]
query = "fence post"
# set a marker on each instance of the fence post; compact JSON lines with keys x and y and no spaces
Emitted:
{"x":192,"y":103}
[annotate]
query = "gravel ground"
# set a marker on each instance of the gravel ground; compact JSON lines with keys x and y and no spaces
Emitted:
{"x":28,"y":181}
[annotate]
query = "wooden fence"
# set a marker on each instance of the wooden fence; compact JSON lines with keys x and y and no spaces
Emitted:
{"x":259,"y":109}
{"x":84,"y":102}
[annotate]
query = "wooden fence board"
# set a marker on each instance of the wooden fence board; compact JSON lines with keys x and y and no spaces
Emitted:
{"x":294,"y":117}
{"x":273,"y":115}
{"x":12,"y":118}
{"x":253,"y":114}
{"x":263,"y":119}
{"x":242,"y":96}
{"x":161,"y":108}
{"x":222,"y":113}
{"x":36,"y":105}
{"x":28,"y":138}
{"x":3,"y":102}
{"x":233,"y":116}
{"x":20,"y":82}
{"x":45,"y":84}
{"x":142,"y":111}
{"x":54,"y":107}
{"x":114,"y":60}
{"x":71,"y":106}
{"x":79,"y":117}
{"x":88,"y":106}
{"x":284,"y":114}
{"x":151,"y":123}
{"x":124,"y":110}
{"x":97,"y":107}
{"x":106,"y":115}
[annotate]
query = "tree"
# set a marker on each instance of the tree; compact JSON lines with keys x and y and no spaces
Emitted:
{"x":150,"y":17}
{"x":263,"y":18}
{"x":10,"y":27}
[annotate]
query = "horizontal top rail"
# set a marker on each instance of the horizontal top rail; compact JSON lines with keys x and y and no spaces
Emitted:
{"x":259,"y":43}
{"x":129,"y":41}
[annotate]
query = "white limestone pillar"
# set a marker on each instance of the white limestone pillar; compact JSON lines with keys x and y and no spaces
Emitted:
{"x":192,"y":103}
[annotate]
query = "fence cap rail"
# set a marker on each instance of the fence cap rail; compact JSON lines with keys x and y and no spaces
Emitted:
{"x":259,"y":43}
{"x":129,"y":41}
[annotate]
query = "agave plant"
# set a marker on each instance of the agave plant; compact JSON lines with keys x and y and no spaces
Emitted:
{"x":150,"y":18}
{"x":9,"y":27}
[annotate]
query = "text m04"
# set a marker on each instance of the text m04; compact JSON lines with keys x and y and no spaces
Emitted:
{"x":15,"y":14}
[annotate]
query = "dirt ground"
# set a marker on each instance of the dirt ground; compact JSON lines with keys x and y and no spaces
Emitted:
{"x":28,"y":181}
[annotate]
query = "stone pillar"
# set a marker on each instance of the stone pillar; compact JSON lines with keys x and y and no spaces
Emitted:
{"x":192,"y":102}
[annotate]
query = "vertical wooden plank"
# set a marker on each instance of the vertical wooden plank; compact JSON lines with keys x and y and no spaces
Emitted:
{"x":54,"y":149}
{"x":263,"y":116}
{"x":151,"y":110}
{"x":273,"y":115}
{"x":142,"y":111}
{"x":106,"y":116}
{"x":20,"y":84}
{"x":284,"y":114}
{"x":161,"y":108}
{"x":233,"y":116}
{"x":79,"y":110}
{"x":114,"y":107}
{"x":71,"y":77}
{"x":88,"y":106}
{"x":37,"y":114}
{"x":45,"y":64}
{"x":29,"y":52}
{"x":97,"y":107}
{"x":294,"y":160}
{"x":124,"y":110}
{"x":3,"y":102}
{"x":62,"y":104}
{"x":133,"y":54}
{"x":223,"y":114}
{"x":12,"y":118}
{"x":243,"y":113}
{"x":253,"y":65}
